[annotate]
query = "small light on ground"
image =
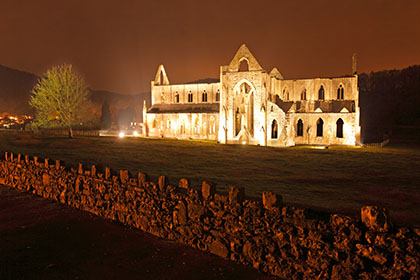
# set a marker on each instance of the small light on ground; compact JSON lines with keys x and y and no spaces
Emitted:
{"x":121,"y":134}
{"x":319,"y":147}
{"x":135,"y":133}
{"x":243,"y":142}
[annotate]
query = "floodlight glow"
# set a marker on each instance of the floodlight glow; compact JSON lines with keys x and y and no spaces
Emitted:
{"x":121,"y":134}
{"x":135,"y":133}
{"x":243,"y":142}
{"x":319,"y":147}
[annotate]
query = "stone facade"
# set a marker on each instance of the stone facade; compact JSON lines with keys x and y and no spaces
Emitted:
{"x":248,"y":105}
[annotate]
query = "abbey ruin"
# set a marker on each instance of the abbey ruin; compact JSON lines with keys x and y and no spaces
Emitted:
{"x":248,"y":105}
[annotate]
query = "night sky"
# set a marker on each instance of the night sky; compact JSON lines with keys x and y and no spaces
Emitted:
{"x":118,"y":45}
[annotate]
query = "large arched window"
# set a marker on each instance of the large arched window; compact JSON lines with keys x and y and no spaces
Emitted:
{"x":204,"y":96}
{"x":218,"y":95}
{"x":177,"y":97}
{"x":340,"y":92}
{"x":321,"y":93}
{"x":274,"y":130}
{"x":190,"y":97}
{"x":319,"y":128}
{"x":303,"y":94}
{"x":340,"y":125}
{"x":300,"y":128}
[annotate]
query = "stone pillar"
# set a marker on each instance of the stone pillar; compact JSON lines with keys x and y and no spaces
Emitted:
{"x":271,"y":200}
{"x":207,"y":190}
{"x":236,"y":194}
{"x":107,"y":173}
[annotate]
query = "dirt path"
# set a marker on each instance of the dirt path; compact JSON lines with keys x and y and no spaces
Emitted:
{"x":40,"y":239}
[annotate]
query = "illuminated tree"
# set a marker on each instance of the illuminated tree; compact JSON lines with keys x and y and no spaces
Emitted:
{"x":60,"y":98}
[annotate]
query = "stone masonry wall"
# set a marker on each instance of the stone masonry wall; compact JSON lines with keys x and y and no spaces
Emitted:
{"x":289,"y":242}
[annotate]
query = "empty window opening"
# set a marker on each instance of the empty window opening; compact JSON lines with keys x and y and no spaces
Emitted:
{"x":321,"y":93}
{"x":218,"y":95}
{"x":340,"y":92}
{"x":238,"y":121}
{"x":190,"y":97}
{"x":303,"y":95}
{"x":243,"y":66}
{"x":177,"y":97}
{"x":340,"y":125}
{"x":300,"y":128}
{"x":204,"y":96}
{"x":274,"y":130}
{"x":319,"y":128}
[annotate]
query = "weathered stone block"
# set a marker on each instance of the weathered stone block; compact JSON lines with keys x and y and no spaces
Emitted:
{"x":180,"y":214}
{"x":207,"y":190}
{"x":236,"y":194}
{"x":271,"y":200}
{"x":142,"y":179}
{"x":162,"y":183}
{"x":219,"y":248}
{"x":93,"y":171}
{"x":45,"y":179}
{"x":107,"y":173}
{"x":375,"y":218}
{"x":184,"y":183}
{"x":124,"y":176}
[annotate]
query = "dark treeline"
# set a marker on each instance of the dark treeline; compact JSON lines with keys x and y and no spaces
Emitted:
{"x":389,"y":99}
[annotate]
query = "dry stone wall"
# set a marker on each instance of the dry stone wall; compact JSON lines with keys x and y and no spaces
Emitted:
{"x":281,"y":240}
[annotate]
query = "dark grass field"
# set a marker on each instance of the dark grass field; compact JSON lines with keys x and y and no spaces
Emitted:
{"x":337,"y":179}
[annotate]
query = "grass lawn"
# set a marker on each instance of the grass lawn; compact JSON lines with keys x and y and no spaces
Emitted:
{"x":336,"y":179}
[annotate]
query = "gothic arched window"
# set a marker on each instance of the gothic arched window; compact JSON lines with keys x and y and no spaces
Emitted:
{"x":274,"y":129}
{"x":321,"y":93}
{"x":340,"y":92}
{"x":190,"y":97}
{"x":300,"y":128}
{"x":218,"y":95}
{"x":340,"y":125}
{"x":319,"y":127}
{"x":204,"y":96}
{"x":303,"y":94}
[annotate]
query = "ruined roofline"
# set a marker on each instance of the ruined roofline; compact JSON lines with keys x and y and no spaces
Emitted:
{"x":321,"y":78}
{"x":191,"y":83}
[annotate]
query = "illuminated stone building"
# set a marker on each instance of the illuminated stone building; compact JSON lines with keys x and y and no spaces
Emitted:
{"x":248,"y":105}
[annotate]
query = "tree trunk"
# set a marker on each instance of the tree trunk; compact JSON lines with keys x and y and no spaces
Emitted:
{"x":70,"y":132}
